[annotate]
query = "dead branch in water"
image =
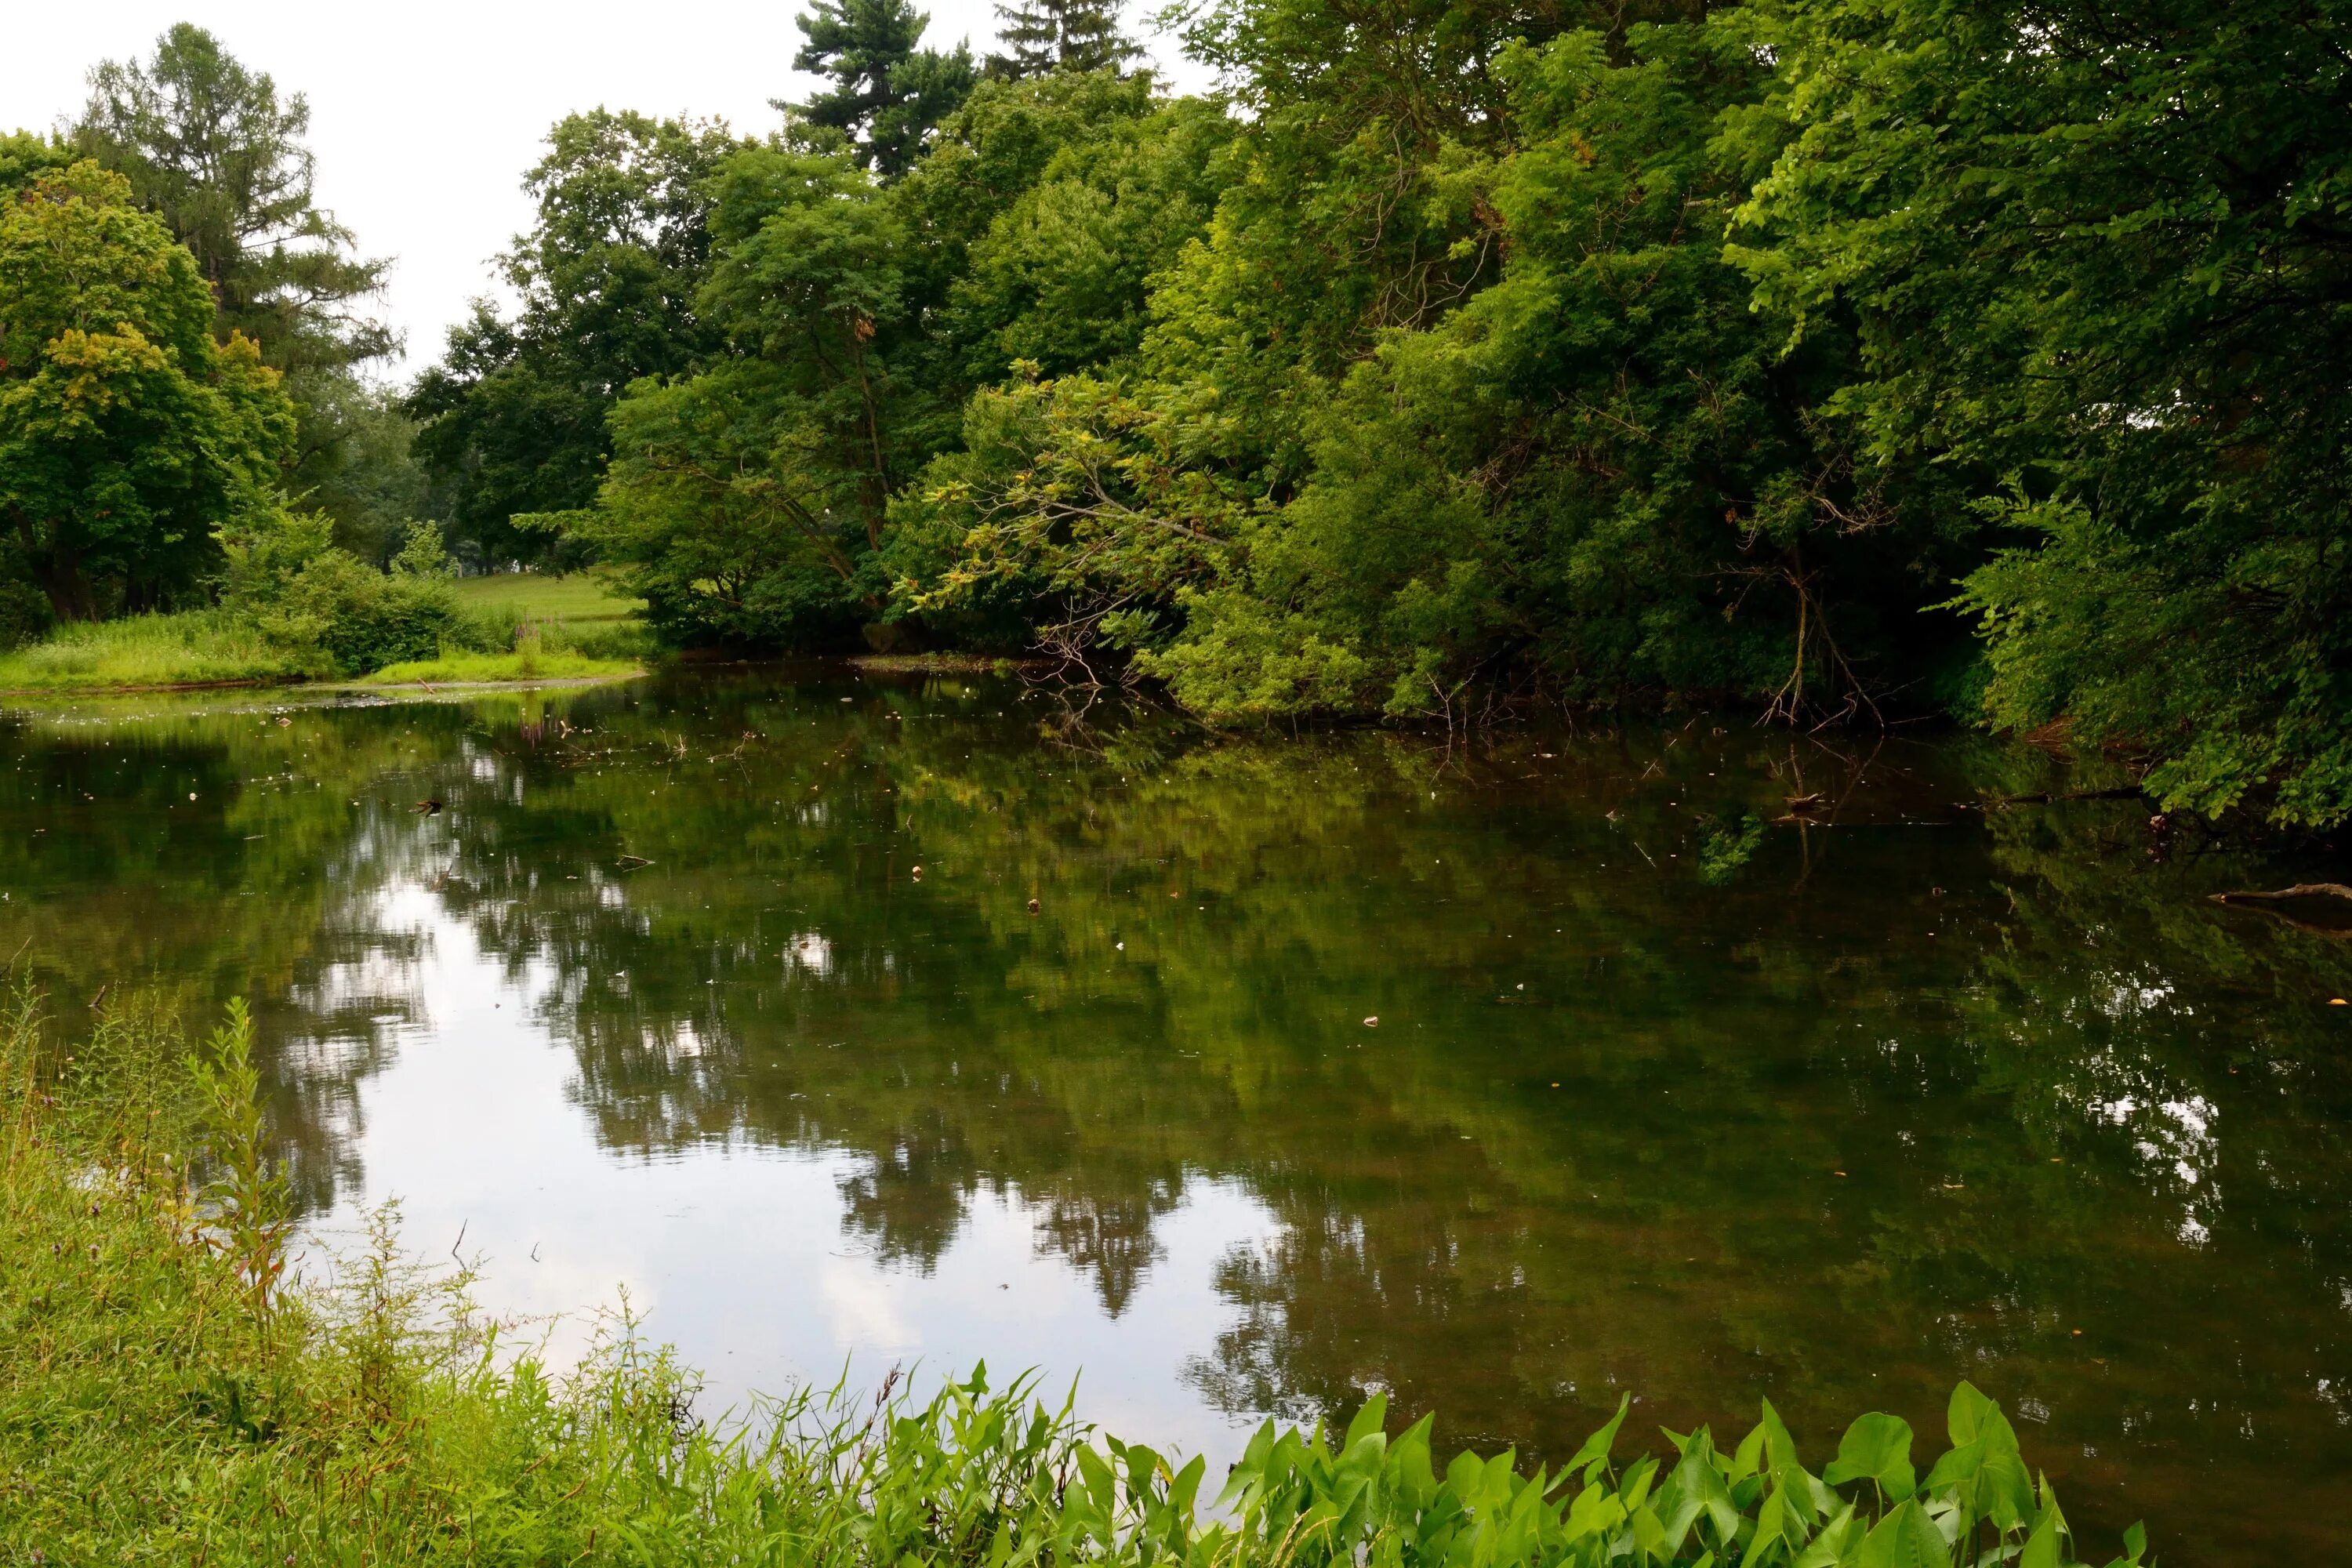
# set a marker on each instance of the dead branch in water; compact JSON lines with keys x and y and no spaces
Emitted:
{"x":2300,"y":890}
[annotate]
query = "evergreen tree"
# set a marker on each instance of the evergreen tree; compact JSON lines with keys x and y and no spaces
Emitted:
{"x":1045,"y":36}
{"x":887,"y":95}
{"x":210,"y":147}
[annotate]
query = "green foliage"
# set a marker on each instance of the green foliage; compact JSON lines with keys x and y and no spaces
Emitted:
{"x":2091,"y":259}
{"x":887,"y":95}
{"x":26,"y":157}
{"x":330,"y":610}
{"x":156,"y":1393}
{"x":1613,"y":353}
{"x":208,"y":146}
{"x":1042,"y":37}
{"x":513,"y":417}
{"x":127,"y":436}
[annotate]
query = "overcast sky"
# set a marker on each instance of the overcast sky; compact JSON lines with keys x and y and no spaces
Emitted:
{"x":425,"y":115}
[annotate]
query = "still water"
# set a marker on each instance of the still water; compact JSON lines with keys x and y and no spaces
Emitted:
{"x":726,"y":992}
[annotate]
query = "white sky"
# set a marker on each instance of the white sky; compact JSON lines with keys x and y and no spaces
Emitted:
{"x":424,"y":116}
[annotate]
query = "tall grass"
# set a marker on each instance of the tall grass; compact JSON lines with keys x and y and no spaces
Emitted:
{"x":169,"y":1394}
{"x":192,"y":648}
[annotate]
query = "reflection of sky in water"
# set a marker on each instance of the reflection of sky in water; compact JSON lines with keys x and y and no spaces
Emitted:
{"x":658,"y":1002}
{"x":739,"y":1256}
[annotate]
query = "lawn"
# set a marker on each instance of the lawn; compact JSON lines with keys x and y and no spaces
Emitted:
{"x":573,"y":627}
{"x":459,"y":667}
{"x":581,"y":598}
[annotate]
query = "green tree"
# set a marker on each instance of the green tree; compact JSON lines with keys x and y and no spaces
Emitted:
{"x":209,"y":145}
{"x":749,"y":499}
{"x":26,"y":157}
{"x":513,"y":416}
{"x":1040,"y":37}
{"x":2097,"y":258}
{"x":887,"y":95}
{"x":127,"y":436}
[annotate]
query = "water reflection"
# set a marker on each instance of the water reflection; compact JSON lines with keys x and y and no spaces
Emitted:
{"x":660,"y":999}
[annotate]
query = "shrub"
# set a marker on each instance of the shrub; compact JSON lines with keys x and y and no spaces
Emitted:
{"x":25,"y":616}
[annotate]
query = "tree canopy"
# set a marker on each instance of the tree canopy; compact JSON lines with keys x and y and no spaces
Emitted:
{"x":129,"y":436}
{"x":1839,"y":360}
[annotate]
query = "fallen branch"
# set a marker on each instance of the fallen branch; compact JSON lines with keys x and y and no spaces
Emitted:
{"x":2300,"y":890}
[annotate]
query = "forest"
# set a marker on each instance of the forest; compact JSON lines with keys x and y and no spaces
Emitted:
{"x":1825,"y":361}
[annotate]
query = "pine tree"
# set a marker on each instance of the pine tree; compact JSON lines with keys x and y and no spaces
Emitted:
{"x":887,"y":94}
{"x":1032,"y":35}
{"x":1091,"y":40}
{"x":1040,"y":37}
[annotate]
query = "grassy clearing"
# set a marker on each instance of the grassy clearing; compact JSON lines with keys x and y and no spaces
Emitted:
{"x":168,"y":1394}
{"x":528,"y":663}
{"x":195,"y":648}
{"x":582,"y":598}
{"x":558,"y":628}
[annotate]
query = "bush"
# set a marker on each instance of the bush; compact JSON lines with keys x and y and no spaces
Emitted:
{"x":25,"y":616}
{"x":310,"y":597}
{"x":363,"y":619}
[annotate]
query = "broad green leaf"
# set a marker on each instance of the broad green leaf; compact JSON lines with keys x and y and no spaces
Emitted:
{"x":1905,"y":1538}
{"x":1370,"y":1418}
{"x":2042,"y":1547}
{"x":1964,"y":1417}
{"x":1877,"y":1448}
{"x":1595,"y":1449}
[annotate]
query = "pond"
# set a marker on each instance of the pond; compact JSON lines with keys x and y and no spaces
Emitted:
{"x":844,"y":1020}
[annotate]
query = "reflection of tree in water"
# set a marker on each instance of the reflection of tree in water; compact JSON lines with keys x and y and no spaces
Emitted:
{"x":1594,"y":1143}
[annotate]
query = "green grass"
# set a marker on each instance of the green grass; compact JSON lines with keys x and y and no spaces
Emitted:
{"x":458,"y":665}
{"x":561,"y":628}
{"x":195,"y":648}
{"x":168,"y":1394}
{"x":582,"y":598}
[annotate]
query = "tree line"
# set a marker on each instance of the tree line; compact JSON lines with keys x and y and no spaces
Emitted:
{"x":1841,"y":358}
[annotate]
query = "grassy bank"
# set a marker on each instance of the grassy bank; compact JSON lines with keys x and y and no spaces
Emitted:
{"x":198,"y":647}
{"x":169,"y":1394}
{"x":516,"y":626}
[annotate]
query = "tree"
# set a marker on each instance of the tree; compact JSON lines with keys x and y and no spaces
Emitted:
{"x":209,"y":146}
{"x":128,"y":436}
{"x":514,"y":416}
{"x":2097,"y":260}
{"x":887,"y":95}
{"x":750,"y":499}
{"x":1040,"y":37}
{"x":25,"y":157}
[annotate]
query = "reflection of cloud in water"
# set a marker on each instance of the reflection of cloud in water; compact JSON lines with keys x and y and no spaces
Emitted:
{"x":745,"y":1257}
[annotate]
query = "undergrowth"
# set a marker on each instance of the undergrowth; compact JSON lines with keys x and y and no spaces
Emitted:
{"x":169,"y":1393}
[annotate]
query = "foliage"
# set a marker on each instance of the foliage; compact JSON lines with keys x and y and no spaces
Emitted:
{"x":127,"y":434}
{"x":1609,"y":353}
{"x":888,"y":96}
{"x":26,"y":157}
{"x":335,"y":613}
{"x":2092,"y":258}
{"x":208,"y":145}
{"x":1040,"y":37}
{"x":747,"y":500}
{"x":513,"y":418}
{"x":386,"y":1409}
{"x":211,"y":148}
